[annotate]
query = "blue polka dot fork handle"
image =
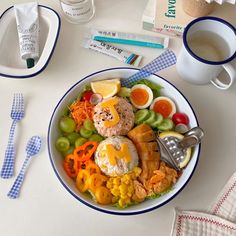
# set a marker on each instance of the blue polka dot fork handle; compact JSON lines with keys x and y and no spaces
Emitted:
{"x":166,"y":59}
{"x":17,"y":113}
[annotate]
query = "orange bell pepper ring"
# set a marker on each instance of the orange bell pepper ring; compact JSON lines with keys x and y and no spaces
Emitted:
{"x":71,"y":165}
{"x":85,"y":151}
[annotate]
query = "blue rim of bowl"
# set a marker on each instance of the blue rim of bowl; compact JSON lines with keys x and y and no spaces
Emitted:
{"x":49,"y":58}
{"x":193,"y":54}
{"x":109,"y":211}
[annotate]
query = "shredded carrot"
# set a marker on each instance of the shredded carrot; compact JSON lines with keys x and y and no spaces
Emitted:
{"x":80,"y":111}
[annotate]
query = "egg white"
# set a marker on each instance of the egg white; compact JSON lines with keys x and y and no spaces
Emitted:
{"x":148,"y":90}
{"x":167,"y":99}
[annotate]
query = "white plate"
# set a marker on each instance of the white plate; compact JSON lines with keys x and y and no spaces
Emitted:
{"x":11,"y":64}
{"x":57,"y":162}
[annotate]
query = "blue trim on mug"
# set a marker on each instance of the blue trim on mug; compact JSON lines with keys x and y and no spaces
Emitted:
{"x":197,"y":57}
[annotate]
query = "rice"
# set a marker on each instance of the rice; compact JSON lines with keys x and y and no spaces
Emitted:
{"x":126,"y":118}
{"x":121,"y":167}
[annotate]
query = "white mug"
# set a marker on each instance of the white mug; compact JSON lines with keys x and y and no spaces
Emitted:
{"x":209,"y":44}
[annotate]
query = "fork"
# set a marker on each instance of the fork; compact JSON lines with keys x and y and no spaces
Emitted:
{"x":17,"y":113}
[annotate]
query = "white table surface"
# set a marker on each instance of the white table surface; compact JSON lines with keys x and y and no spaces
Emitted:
{"x":45,"y":208}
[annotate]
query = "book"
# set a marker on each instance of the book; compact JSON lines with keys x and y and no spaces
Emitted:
{"x":166,"y":17}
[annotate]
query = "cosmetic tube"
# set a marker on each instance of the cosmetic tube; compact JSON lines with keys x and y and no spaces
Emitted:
{"x":28,"y":31}
{"x":110,"y":50}
{"x":130,"y":39}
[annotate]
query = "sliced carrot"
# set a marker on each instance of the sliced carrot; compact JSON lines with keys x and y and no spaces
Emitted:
{"x":80,"y":111}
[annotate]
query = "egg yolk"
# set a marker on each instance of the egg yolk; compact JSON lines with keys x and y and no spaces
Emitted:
{"x":163,"y":107}
{"x":139,"y":96}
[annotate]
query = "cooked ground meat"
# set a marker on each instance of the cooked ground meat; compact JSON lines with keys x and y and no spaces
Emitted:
{"x":125,"y":124}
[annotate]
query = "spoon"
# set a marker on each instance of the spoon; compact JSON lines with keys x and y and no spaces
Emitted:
{"x":166,"y":59}
{"x":32,"y":148}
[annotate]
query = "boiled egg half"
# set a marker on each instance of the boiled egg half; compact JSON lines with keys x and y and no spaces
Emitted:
{"x":141,"y":96}
{"x":163,"y":105}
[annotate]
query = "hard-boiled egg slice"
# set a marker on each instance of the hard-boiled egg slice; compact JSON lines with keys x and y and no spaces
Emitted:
{"x":163,"y":105}
{"x":141,"y":96}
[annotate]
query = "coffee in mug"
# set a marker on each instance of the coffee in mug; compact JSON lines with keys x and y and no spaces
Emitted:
{"x":209,"y":46}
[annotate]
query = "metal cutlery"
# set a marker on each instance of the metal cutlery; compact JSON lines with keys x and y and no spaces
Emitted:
{"x":17,"y":113}
{"x":173,"y":150}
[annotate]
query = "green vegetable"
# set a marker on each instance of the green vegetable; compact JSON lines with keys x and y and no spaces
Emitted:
{"x":96,"y":137}
{"x":151,"y":118}
{"x":157,"y":195}
{"x":166,"y":124}
{"x":62,"y":144}
{"x":156,"y":89}
{"x":85,"y":133}
{"x":141,"y":115}
{"x":80,"y":141}
{"x":69,"y":151}
{"x":67,"y":124}
{"x":72,"y":137}
{"x":88,"y":124}
{"x":158,"y":120}
{"x":124,"y":92}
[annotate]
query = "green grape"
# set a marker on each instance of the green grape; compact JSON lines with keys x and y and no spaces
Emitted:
{"x":88,"y":124}
{"x":69,"y":151}
{"x":85,"y":132}
{"x":80,"y":141}
{"x":96,"y":137}
{"x":62,"y":144}
{"x":67,"y":124}
{"x":72,"y":137}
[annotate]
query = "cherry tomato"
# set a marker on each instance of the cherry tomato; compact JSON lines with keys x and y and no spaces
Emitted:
{"x":180,"y":118}
{"x":87,"y":95}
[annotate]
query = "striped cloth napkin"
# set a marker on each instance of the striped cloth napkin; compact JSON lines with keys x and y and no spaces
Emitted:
{"x":219,"y":221}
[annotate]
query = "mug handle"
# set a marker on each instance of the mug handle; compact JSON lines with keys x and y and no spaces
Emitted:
{"x":232,"y":75}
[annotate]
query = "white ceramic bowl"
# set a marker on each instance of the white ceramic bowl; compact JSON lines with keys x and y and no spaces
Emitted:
{"x":56,"y":160}
{"x":11,"y":64}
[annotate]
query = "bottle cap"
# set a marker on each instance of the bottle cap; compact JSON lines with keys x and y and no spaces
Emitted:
{"x":30,"y":62}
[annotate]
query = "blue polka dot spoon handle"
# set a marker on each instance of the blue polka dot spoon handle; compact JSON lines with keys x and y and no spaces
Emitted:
{"x":32,"y":148}
{"x":17,"y":113}
{"x":166,"y":59}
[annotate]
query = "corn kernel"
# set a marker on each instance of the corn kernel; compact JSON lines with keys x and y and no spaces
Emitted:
{"x":123,"y":187}
{"x":130,"y":189}
{"x":115,"y":192}
{"x":137,"y":171}
{"x":123,"y":196}
{"x":116,"y":181}
{"x":115,"y":199}
{"x":109,"y":185}
{"x":121,"y":203}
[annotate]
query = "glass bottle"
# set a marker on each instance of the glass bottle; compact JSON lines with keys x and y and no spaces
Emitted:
{"x":78,"y":11}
